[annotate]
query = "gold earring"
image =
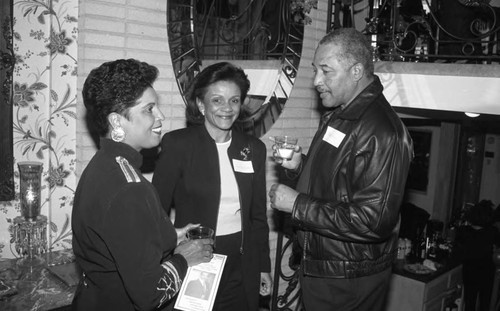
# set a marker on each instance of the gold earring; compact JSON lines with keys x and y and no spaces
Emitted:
{"x":118,"y":134}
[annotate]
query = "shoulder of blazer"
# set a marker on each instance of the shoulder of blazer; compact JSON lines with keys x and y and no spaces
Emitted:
{"x":246,"y":138}
{"x":128,"y":170}
{"x":180,"y":133}
{"x":182,"y":138}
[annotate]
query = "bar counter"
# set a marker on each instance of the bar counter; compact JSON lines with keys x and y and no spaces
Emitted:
{"x":435,"y":290}
{"x":444,"y":267}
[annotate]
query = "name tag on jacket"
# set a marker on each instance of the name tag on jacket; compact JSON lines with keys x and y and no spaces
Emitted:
{"x":243,"y":166}
{"x":333,"y":137}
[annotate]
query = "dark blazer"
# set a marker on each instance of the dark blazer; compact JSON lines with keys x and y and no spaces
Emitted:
{"x":122,"y":238}
{"x":187,"y":178}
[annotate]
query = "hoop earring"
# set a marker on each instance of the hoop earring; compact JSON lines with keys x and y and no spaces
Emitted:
{"x":118,"y":134}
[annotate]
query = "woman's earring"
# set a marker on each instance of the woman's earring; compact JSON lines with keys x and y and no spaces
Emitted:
{"x":118,"y":134}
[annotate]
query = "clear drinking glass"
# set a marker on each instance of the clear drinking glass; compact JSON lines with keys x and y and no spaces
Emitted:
{"x":200,"y":232}
{"x":285,"y":146}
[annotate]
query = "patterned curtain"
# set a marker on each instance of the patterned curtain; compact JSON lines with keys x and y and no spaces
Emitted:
{"x":7,"y":61}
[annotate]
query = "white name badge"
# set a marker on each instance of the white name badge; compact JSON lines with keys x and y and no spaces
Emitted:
{"x":243,"y":166}
{"x":333,"y":137}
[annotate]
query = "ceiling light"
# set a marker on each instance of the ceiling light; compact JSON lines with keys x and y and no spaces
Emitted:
{"x":472,"y":114}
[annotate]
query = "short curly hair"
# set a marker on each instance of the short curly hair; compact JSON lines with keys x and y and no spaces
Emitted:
{"x":222,"y":71}
{"x":115,"y":87}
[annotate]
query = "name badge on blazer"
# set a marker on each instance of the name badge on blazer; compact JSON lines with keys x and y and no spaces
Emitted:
{"x":333,"y":137}
{"x":243,"y":166}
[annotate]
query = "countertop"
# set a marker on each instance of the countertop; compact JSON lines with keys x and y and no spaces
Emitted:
{"x":444,"y":266}
{"x":38,"y":287}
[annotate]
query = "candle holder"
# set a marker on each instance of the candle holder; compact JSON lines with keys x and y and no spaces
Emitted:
{"x":30,"y":238}
{"x":30,"y":229}
{"x":30,"y":178}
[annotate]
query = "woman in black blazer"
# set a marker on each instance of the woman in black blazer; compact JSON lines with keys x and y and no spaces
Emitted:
{"x":214,"y":175}
{"x":129,"y":253}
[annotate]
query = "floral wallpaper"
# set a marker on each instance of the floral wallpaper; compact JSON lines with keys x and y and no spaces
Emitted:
{"x":44,"y":113}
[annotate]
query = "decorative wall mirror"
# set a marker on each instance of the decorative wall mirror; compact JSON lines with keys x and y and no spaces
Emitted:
{"x":263,"y":37}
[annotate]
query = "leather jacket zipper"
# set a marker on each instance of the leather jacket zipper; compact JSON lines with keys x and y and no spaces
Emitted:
{"x":305,"y":247}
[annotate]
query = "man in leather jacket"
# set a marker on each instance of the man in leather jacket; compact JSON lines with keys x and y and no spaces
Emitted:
{"x":350,"y":185}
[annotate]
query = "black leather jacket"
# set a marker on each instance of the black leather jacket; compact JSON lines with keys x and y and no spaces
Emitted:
{"x":347,"y":214}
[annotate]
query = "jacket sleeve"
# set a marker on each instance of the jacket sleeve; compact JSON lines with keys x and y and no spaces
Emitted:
{"x":133,"y":239}
{"x":166,"y":173}
{"x":373,"y":179}
{"x":259,"y":208}
{"x":292,"y":175}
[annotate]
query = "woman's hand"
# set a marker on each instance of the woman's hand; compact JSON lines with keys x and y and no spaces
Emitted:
{"x":266,"y":283}
{"x":181,"y":232}
{"x":196,"y":251}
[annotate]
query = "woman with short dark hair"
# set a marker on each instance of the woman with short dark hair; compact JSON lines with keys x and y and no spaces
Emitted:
{"x":123,"y":241}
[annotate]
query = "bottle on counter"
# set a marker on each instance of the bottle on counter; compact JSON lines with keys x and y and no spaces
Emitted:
{"x":432,"y":247}
{"x":424,"y":244}
{"x":401,"y":249}
{"x":419,"y":252}
{"x":408,"y":247}
{"x":419,"y":248}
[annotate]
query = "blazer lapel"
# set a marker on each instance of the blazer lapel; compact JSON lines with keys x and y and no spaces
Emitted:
{"x":240,"y":149}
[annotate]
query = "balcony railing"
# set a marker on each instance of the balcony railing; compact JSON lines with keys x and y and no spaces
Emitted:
{"x":442,"y":31}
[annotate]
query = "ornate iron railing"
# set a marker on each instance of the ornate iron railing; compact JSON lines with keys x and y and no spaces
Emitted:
{"x":289,"y":298}
{"x":286,"y":267}
{"x":451,"y":31}
{"x":253,"y":29}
